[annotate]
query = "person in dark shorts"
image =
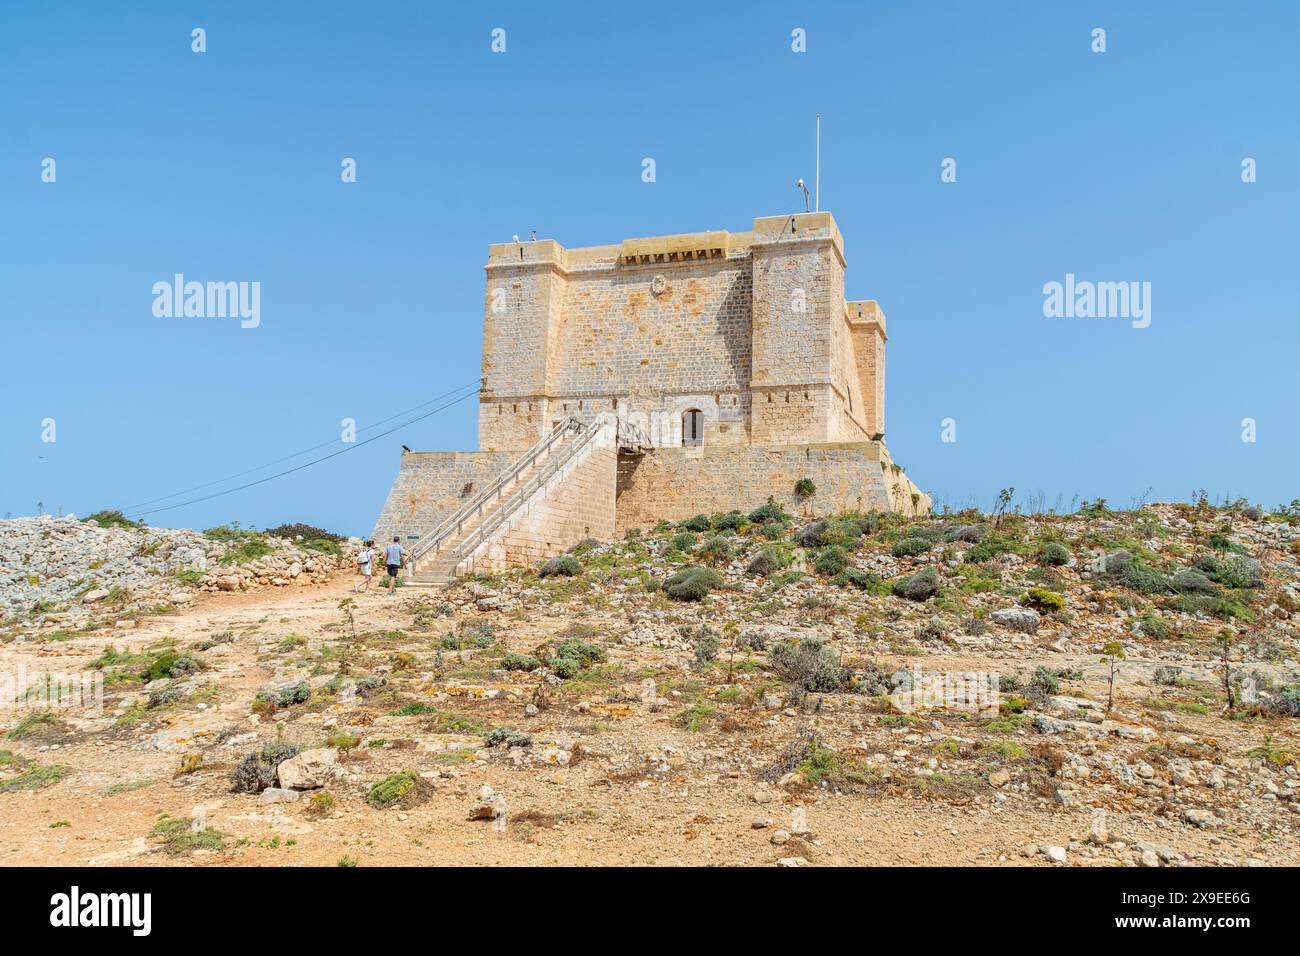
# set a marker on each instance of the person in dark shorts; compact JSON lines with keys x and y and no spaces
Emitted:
{"x":394,"y":556}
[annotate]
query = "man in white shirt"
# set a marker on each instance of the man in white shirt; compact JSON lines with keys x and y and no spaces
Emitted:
{"x":394,"y":556}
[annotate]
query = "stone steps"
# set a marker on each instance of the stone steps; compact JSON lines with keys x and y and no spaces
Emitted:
{"x":441,"y":569}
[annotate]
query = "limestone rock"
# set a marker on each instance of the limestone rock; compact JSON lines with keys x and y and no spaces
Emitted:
{"x":308,"y":770}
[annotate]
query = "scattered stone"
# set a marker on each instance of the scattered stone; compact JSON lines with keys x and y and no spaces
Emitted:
{"x":309,"y":770}
{"x":278,"y":795}
{"x":1017,"y":619}
{"x":488,"y":805}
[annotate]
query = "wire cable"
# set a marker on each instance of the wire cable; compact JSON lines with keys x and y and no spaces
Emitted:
{"x":241,"y":474}
{"x":251,"y":484}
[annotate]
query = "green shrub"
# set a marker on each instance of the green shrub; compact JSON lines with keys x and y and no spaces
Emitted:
{"x":682,"y":541}
{"x":863,"y":580}
{"x":520,"y":662}
{"x":340,"y":739}
{"x":1131,"y":572}
{"x":698,"y":523}
{"x":113,"y":519}
{"x":34,"y":777}
{"x":1043,"y":600}
{"x":768,"y":561}
{"x":305,"y":532}
{"x":470,"y":635}
{"x":918,"y":587}
{"x":1046,"y":681}
{"x":909,"y":546}
{"x":180,"y":838}
{"x":831,"y":561}
{"x":298,"y":693}
{"x":1222,"y":541}
{"x":988,"y":549}
{"x":391,"y":789}
{"x":969,"y":533}
{"x":707,"y":642}
{"x":809,"y":664}
{"x":583,"y":652}
{"x":1195,"y":604}
{"x":1054,"y":554}
{"x":926,"y":533}
{"x":845,"y":534}
{"x":1155,"y":625}
{"x":256,"y":771}
{"x":565,"y":667}
{"x":1285,"y":703}
{"x":731,"y":521}
{"x":1168,"y":676}
{"x":1231,"y":571}
{"x":1229,"y":608}
{"x":230,"y":533}
{"x":768,"y":512}
{"x":565,"y":565}
{"x":508,"y":736}
{"x":692,"y":584}
{"x":248,"y":550}
{"x":717,"y":548}
{"x":804,"y":488}
{"x":162,"y":696}
{"x":322,"y":546}
{"x":810,"y":536}
{"x":1191,"y":581}
{"x":171,"y":664}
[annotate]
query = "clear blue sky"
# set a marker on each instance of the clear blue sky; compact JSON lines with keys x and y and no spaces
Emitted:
{"x":225,"y":166}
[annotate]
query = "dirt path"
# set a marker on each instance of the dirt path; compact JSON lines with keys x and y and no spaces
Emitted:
{"x":639,"y":789}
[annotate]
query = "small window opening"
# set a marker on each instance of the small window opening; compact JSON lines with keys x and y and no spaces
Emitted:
{"x":692,"y":428}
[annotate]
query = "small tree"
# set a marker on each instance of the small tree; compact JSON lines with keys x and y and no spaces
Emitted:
{"x":733,"y":633}
{"x":1225,"y":661}
{"x":1112,"y":653}
{"x":345,"y":608}
{"x":1004,"y":499}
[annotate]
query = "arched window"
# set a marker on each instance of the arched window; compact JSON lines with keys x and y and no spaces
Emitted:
{"x":692,"y":428}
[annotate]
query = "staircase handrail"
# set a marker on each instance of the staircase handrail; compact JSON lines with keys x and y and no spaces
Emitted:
{"x":456,"y":521}
{"x":466,"y":547}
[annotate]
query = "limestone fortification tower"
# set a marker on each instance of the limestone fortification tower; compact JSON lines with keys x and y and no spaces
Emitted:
{"x":654,"y":379}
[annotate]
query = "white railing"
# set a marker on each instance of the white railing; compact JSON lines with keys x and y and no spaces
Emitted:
{"x":464,"y":549}
{"x":455,"y":523}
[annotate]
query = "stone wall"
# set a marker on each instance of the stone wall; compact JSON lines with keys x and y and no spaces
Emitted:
{"x":576,"y":503}
{"x":750,"y":328}
{"x":431,"y":485}
{"x":677,"y":483}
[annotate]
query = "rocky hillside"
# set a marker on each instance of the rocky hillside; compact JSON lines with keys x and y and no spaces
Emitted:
{"x":60,"y":572}
{"x":1097,"y":689}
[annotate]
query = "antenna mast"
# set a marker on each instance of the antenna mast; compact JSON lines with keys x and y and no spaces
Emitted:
{"x":817,"y":174}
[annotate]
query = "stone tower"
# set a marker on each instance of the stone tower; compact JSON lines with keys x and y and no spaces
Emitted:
{"x":733,"y":358}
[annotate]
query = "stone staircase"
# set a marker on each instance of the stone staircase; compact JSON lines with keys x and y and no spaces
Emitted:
{"x":438,"y":555}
